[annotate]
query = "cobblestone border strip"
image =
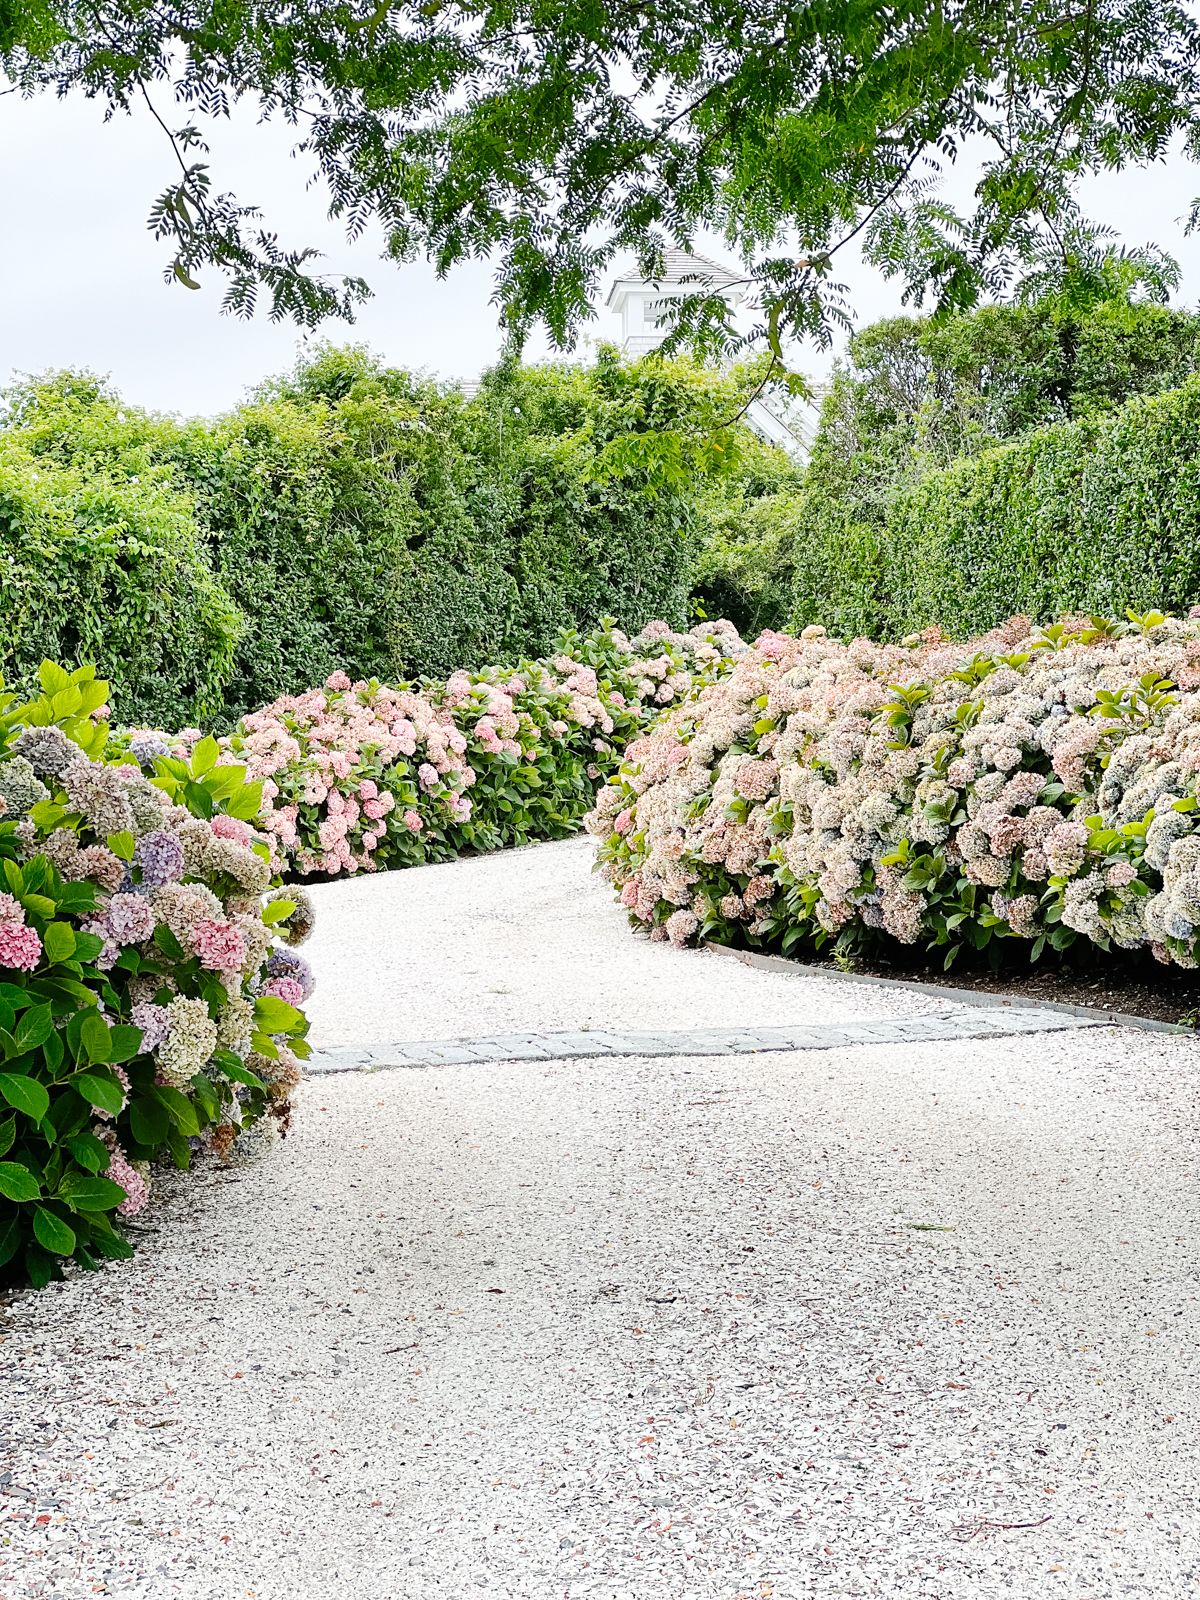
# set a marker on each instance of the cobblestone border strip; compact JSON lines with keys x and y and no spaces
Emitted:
{"x":987,"y":999}
{"x":587,"y":1044}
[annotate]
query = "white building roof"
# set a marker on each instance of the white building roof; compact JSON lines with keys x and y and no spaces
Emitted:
{"x":681,"y":270}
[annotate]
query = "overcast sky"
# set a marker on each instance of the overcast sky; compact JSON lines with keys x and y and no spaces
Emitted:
{"x":81,"y":278}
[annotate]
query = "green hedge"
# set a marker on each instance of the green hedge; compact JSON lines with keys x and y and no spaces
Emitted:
{"x":97,"y":568}
{"x":1083,"y":516}
{"x":354,"y":517}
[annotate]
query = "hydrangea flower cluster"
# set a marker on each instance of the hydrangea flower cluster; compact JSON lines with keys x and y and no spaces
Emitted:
{"x":1033,"y":784}
{"x":358,"y":776}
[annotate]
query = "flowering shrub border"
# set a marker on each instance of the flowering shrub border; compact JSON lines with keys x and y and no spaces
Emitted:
{"x":1035,"y":784}
{"x":145,"y":1012}
{"x":362,"y":776}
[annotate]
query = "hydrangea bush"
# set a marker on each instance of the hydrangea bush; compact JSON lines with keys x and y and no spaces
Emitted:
{"x":361,"y":776}
{"x":146,"y":1012}
{"x":1036,"y":785}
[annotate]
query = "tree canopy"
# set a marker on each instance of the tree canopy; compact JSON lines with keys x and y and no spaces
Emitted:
{"x":550,"y":136}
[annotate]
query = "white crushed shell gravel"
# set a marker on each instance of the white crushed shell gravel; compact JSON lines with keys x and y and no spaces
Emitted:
{"x":532,"y":940}
{"x":895,"y":1320}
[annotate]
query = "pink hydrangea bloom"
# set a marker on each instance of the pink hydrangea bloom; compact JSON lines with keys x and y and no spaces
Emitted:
{"x":220,"y":945}
{"x":286,"y":989}
{"x":137,"y":1190}
{"x":20,"y":947}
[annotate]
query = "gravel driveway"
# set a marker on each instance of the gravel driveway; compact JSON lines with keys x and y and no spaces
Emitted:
{"x":891,"y":1320}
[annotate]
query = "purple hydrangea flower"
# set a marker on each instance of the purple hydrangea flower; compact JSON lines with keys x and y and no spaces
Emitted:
{"x":160,"y":856}
{"x":154,"y":1022}
{"x":286,"y":964}
{"x":147,"y":748}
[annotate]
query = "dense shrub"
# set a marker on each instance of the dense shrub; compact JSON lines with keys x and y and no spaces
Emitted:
{"x":1034,"y":457}
{"x":357,"y":518}
{"x":917,"y":393}
{"x":742,"y":562}
{"x":1031,"y":788}
{"x":98,"y":566}
{"x":1096,"y":515}
{"x":144,"y":1013}
{"x":360,"y":775}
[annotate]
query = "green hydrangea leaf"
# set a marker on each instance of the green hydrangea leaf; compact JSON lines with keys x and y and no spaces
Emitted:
{"x":25,"y":1094}
{"x":52,"y":1233}
{"x":18,"y":1183}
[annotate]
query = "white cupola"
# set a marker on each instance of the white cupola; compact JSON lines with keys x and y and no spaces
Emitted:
{"x":641,"y":304}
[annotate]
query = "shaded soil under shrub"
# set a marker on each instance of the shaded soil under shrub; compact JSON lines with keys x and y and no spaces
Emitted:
{"x":1137,"y":985}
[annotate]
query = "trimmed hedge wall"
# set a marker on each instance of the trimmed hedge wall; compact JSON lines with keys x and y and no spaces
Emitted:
{"x":353,"y":517}
{"x":1083,"y":516}
{"x":97,"y":568}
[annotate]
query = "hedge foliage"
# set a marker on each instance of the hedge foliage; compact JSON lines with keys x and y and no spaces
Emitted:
{"x":350,"y":516}
{"x":1094,"y":516}
{"x":1035,"y":456}
{"x":96,"y":566}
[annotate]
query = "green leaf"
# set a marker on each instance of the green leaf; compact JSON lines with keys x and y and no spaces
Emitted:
{"x":10,"y":1239}
{"x":122,"y":845}
{"x":181,"y":1150}
{"x":103,"y":1092}
{"x":15,"y":996}
{"x":34,"y":1028}
{"x":181,"y":1110}
{"x":18,"y":1183}
{"x":8,"y":1134}
{"x":274,"y":1015}
{"x":53,"y":678}
{"x":277,"y":911}
{"x":54,"y":1051}
{"x":197,"y":798}
{"x":59,"y":942}
{"x":47,"y":814}
{"x":112,"y":1246}
{"x":90,"y":1194}
{"x":39,"y":1267}
{"x":66,"y":702}
{"x":92,"y":696}
{"x":125,"y":1042}
{"x":40,"y":904}
{"x":52,"y":1233}
{"x":247,"y":804}
{"x":168,"y":943}
{"x":26,"y":1094}
{"x":204,"y":756}
{"x":234,"y":1069}
{"x":95,"y":1038}
{"x":77,"y":898}
{"x":87,"y":947}
{"x":89,"y":1152}
{"x":148,"y":1122}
